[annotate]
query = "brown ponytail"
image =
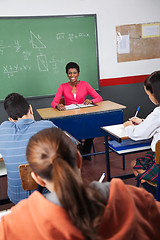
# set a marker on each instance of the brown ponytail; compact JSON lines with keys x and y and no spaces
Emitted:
{"x":52,"y":155}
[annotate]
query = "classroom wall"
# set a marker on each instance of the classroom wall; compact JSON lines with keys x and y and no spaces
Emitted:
{"x":109,"y":15}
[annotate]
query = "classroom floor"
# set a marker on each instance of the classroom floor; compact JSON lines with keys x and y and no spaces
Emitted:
{"x":92,"y":170}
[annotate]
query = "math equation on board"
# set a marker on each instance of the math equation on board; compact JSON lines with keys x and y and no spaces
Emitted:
{"x":36,"y":44}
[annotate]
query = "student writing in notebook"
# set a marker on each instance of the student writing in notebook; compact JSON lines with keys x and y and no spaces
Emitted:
{"x":73,"y":210}
{"x":75,"y":91}
{"x":140,"y":129}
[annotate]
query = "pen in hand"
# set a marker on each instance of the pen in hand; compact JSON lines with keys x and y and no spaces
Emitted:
{"x":137,"y":112}
{"x":135,"y":120}
{"x":102,"y":177}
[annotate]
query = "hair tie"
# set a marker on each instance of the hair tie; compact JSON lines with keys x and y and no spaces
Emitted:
{"x":55,"y":158}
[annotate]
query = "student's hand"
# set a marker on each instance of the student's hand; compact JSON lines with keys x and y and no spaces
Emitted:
{"x":128,"y":123}
{"x":136,"y":120}
{"x":87,"y":101}
{"x":60,"y":107}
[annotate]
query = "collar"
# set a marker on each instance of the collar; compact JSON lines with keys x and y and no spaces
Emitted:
{"x":23,"y":123}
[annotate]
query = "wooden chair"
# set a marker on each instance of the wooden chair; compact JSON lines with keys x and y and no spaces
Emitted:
{"x":156,"y":186}
{"x":69,"y":135}
{"x":27,"y":181}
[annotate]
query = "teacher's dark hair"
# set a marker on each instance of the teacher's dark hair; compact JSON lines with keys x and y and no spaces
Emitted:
{"x":152,"y":84}
{"x":53,"y":156}
{"x":16,"y":106}
{"x":72,"y":65}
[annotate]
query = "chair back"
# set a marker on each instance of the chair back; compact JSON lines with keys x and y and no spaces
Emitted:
{"x":157,"y":154}
{"x":27,"y":181}
{"x":156,"y":186}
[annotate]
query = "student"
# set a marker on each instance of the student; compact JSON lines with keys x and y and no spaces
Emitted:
{"x":14,"y":136}
{"x":72,"y":210}
{"x":75,"y":91}
{"x":139,"y":129}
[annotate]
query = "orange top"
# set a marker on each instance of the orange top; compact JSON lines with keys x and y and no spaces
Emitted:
{"x":131,"y":213}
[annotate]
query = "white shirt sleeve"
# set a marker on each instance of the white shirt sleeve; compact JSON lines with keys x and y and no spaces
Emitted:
{"x":147,"y":128}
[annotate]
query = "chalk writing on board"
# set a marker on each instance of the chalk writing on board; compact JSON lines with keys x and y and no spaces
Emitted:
{"x":71,"y":36}
{"x":11,"y":70}
{"x":35,"y":41}
{"x":42,"y":63}
{"x":60,"y":36}
{"x":26,"y":55}
{"x":15,"y":45}
{"x":41,"y":59}
{"x":54,"y":63}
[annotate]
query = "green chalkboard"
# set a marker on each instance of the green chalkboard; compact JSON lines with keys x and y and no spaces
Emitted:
{"x":35,"y":50}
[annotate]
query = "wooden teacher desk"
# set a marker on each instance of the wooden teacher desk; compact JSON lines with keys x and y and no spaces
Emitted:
{"x":85,"y":123}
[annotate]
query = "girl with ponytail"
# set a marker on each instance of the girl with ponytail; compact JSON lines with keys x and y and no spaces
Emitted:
{"x":54,"y":157}
{"x":73,"y":211}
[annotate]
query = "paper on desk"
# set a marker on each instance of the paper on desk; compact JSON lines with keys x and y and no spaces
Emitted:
{"x":70,"y":107}
{"x":74,"y":106}
{"x":118,"y":130}
{"x":85,"y":105}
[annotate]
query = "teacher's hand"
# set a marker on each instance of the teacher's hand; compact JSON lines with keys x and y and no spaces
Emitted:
{"x":87,"y":101}
{"x":60,"y":107}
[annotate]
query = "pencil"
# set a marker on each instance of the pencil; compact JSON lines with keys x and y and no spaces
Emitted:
{"x":102,"y":177}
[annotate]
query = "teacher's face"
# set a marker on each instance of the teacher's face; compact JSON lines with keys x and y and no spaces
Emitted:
{"x":73,"y":75}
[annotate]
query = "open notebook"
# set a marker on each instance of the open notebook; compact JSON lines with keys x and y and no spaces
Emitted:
{"x":74,"y":106}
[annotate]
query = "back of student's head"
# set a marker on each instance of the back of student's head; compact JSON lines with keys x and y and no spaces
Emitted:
{"x":16,"y":106}
{"x":152,"y":84}
{"x":72,"y":65}
{"x":47,"y":148}
{"x":53,"y":156}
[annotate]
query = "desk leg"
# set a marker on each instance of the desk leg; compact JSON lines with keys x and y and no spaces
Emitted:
{"x":123,"y":156}
{"x":107,"y":158}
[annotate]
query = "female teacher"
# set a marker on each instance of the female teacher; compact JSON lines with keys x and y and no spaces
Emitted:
{"x":75,"y":92}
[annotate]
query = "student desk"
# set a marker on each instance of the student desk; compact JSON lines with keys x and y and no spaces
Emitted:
{"x":122,"y":145}
{"x":85,"y":123}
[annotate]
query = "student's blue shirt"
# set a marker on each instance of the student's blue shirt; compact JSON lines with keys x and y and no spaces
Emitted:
{"x":14,"y":137}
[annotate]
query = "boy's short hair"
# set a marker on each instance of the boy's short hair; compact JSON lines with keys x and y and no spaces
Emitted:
{"x":16,"y":106}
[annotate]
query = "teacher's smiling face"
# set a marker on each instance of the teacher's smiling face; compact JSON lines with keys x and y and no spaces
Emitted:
{"x":72,"y":74}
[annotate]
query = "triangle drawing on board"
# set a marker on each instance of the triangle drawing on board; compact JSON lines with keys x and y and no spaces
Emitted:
{"x":36,"y":42}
